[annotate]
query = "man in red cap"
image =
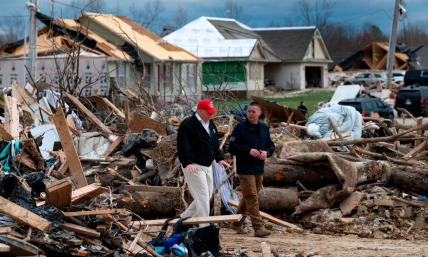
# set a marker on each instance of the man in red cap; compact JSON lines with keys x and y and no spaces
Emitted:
{"x":198,"y":146}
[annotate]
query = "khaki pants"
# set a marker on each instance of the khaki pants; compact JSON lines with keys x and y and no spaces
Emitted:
{"x":200,"y":185}
{"x":249,"y":204}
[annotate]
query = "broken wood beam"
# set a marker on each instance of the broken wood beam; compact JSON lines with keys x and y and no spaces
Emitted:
{"x":415,"y":150}
{"x":94,"y":212}
{"x":336,"y":130}
{"x":5,"y":133}
{"x":23,"y":215}
{"x":81,"y":229}
{"x":190,"y":221}
{"x":114,"y":108}
{"x":88,"y":113}
{"x":113,"y":146}
{"x":270,"y":218}
{"x":67,"y":144}
{"x":11,"y":116}
{"x":59,"y":193}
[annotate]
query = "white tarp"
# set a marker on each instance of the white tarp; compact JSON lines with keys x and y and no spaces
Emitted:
{"x":345,"y":92}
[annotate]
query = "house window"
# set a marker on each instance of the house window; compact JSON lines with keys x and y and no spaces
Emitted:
{"x":1,"y":80}
{"x":56,"y":80}
{"x":191,"y":76}
{"x":167,"y":76}
{"x":121,"y":74}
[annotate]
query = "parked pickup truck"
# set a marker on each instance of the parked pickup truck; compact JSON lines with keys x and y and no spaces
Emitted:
{"x":367,"y":79}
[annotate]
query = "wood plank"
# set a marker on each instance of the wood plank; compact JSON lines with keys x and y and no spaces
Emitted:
{"x":270,"y":218}
{"x":70,"y":151}
{"x":415,"y":151}
{"x":4,"y":248}
{"x":5,"y":230}
{"x":94,"y":212}
{"x":86,"y":193}
{"x":335,"y":137}
{"x":5,"y":134}
{"x":22,"y":215}
{"x":134,"y":243}
{"x":11,"y":116}
{"x":88,"y":113}
{"x":162,"y":189}
{"x":190,"y":221}
{"x":114,"y":108}
{"x":19,"y":247}
{"x":139,"y":122}
{"x":64,"y":167}
{"x":81,"y":229}
{"x":59,"y":193}
{"x":113,"y":146}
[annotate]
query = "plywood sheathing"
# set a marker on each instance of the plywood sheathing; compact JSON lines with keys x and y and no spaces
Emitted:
{"x":137,"y":35}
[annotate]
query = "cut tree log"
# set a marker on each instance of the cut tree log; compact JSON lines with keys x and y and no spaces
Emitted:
{"x":88,"y":113}
{"x":151,"y":204}
{"x":67,"y":144}
{"x":278,"y":200}
{"x":270,"y":218}
{"x":22,"y":215}
{"x":412,"y":180}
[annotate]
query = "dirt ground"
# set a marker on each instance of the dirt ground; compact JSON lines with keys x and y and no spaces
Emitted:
{"x":290,"y":244}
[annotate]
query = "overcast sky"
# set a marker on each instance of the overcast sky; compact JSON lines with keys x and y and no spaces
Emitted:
{"x":261,"y":13}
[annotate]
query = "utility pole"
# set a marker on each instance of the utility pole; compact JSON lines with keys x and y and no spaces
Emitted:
{"x":32,"y":6}
{"x":392,"y":44}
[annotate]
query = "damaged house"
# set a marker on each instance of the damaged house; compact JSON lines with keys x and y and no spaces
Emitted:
{"x":164,"y":70}
{"x":161,"y":68}
{"x":240,"y":59}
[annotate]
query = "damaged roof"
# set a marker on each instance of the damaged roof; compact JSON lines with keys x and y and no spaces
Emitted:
{"x":136,"y":35}
{"x":209,"y":37}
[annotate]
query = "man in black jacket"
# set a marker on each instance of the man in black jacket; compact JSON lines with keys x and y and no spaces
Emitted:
{"x":250,"y":142}
{"x":198,"y":146}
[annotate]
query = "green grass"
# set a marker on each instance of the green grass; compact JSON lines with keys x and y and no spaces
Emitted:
{"x":311,"y":98}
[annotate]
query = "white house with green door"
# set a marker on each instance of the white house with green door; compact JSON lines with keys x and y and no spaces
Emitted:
{"x":233,"y":58}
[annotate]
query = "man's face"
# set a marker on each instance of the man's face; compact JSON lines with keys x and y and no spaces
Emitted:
{"x":253,"y":114}
{"x":205,"y":116}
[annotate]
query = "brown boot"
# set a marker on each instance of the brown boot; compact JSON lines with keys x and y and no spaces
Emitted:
{"x":238,"y":228}
{"x":261,"y":232}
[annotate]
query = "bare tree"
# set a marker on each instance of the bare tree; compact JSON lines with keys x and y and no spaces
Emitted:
{"x":413,"y":34}
{"x":314,"y":12}
{"x":180,"y":17}
{"x":233,"y":11}
{"x":148,"y":15}
{"x":13,"y":27}
{"x":76,"y":7}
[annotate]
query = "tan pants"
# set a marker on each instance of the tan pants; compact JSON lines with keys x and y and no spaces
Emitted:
{"x":200,"y":185}
{"x":249,"y":204}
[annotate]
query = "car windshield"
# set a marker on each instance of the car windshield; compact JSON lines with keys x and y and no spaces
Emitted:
{"x":356,"y":105}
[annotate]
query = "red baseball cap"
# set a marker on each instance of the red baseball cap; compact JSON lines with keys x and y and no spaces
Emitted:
{"x":207,"y":105}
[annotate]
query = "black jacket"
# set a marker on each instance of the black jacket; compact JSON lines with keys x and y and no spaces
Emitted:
{"x":246,"y":136}
{"x":194,"y":145}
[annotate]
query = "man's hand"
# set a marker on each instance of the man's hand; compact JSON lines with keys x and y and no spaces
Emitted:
{"x":191,"y":168}
{"x":255,"y":153}
{"x":223,"y":163}
{"x":263,"y":155}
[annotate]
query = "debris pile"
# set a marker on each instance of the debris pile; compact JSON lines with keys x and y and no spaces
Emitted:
{"x":86,"y":176}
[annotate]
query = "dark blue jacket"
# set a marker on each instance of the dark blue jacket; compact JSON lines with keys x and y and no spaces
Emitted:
{"x":246,"y":136}
{"x":194,"y":145}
